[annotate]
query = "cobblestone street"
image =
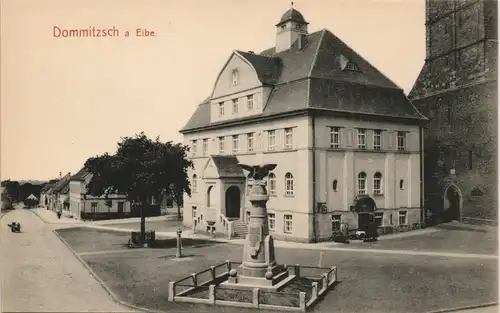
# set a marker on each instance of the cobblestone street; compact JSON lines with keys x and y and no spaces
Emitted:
{"x":41,"y":274}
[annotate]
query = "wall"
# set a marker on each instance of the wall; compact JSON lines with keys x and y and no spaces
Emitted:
{"x":459,"y":96}
{"x":292,"y":160}
{"x":470,"y":139}
{"x":346,"y":162}
{"x":460,"y":51}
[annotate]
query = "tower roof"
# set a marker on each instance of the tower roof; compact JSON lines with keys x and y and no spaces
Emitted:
{"x":292,"y":15}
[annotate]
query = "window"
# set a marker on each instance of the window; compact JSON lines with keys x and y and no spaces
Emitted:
{"x":336,"y":221}
{"x":289,"y":184}
{"x":402,"y":218}
{"x":297,"y":26}
{"x":470,"y":159}
{"x":235,"y":106}
{"x":205,"y":147}
{"x":271,"y":220}
{"x":288,"y":138}
{"x":377,"y":139}
{"x":271,"y":140}
{"x":194,"y":212}
{"x":288,"y":224}
{"x":283,"y":27}
{"x":235,"y":143}
{"x":250,"y":103}
{"x":235,"y":77}
{"x":377,"y":184}
{"x":272,"y":184}
{"x":335,"y":185}
{"x":221,"y":109}
{"x":379,"y":219}
{"x":401,"y":141}
{"x":401,"y":184}
{"x":194,"y":147}
{"x":362,"y":183}
{"x":250,"y":142}
{"x":247,"y":216}
{"x":221,"y":145}
{"x":195,"y":183}
{"x":334,"y":137}
{"x":361,"y":138}
{"x":93,"y":207}
{"x":351,"y":66}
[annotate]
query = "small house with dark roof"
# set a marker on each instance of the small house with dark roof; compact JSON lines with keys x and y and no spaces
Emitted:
{"x":58,"y":194}
{"x":85,"y":206}
{"x":45,"y":192}
{"x":336,"y":126}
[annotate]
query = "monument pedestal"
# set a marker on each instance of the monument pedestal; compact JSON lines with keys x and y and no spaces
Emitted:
{"x":259,"y":268}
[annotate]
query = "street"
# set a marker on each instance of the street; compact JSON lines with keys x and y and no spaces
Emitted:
{"x":40,"y":274}
{"x":44,"y":275}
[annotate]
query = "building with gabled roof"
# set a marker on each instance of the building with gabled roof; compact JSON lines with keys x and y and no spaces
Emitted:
{"x":58,"y":194}
{"x":335,"y":125}
{"x":85,"y":206}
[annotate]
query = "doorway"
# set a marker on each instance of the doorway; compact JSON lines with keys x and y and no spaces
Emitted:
{"x":364,"y":220}
{"x":454,"y":198}
{"x":233,"y":202}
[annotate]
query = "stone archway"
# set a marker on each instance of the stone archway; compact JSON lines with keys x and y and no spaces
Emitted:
{"x":453,"y":203}
{"x":233,"y":202}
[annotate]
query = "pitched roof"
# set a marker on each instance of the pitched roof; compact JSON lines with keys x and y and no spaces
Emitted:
{"x":31,"y":197}
{"x":47,"y":187}
{"x":313,"y":78}
{"x":61,"y":184}
{"x":80,"y":175}
{"x":227,"y":166}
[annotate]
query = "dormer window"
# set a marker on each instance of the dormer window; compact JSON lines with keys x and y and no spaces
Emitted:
{"x":235,"y":77}
{"x":351,"y":66}
{"x":298,"y":26}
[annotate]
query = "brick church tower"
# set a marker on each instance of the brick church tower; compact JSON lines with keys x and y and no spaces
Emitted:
{"x":457,"y":90}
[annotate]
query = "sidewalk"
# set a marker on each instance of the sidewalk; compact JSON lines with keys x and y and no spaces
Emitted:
{"x":50,"y":217}
{"x":169,"y":217}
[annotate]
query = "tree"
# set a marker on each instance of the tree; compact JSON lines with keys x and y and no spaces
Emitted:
{"x":13,"y":189}
{"x":141,"y":169}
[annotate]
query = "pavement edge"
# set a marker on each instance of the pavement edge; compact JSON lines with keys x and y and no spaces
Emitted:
{"x":113,"y":296}
{"x":466,"y":308}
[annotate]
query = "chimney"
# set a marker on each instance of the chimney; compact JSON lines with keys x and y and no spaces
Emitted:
{"x":60,"y":174}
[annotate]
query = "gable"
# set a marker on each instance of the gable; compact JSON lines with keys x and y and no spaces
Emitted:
{"x":247,"y":77}
{"x":210,"y":170}
{"x":223,"y":166}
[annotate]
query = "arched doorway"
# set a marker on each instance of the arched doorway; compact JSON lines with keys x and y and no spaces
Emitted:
{"x":233,"y":202}
{"x":454,"y":199}
{"x":209,"y":195}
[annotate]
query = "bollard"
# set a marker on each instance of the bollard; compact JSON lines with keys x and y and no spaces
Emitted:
{"x":179,"y":252}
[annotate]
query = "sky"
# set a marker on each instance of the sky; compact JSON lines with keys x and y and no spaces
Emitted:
{"x":64,"y":100}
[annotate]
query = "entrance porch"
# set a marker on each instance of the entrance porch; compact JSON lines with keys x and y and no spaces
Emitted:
{"x":223,"y":186}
